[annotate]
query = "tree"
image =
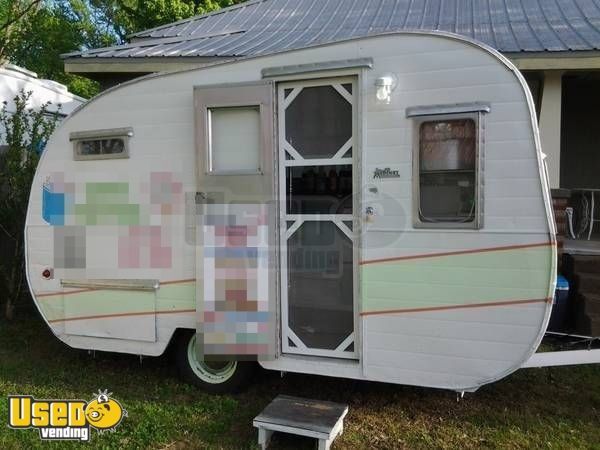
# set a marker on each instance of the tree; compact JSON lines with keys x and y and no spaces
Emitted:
{"x":34,"y":33}
{"x":39,"y":38}
{"x":13,"y":14}
{"x":25,"y":132}
{"x":124,"y":17}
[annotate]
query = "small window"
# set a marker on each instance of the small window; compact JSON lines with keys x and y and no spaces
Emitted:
{"x":447,"y":175}
{"x":234,"y":140}
{"x":101,"y":144}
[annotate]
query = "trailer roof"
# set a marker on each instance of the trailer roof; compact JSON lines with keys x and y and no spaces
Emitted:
{"x":267,"y":26}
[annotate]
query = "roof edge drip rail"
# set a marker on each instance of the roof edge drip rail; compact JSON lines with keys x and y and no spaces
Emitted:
{"x":454,"y":108}
{"x":271,"y":72}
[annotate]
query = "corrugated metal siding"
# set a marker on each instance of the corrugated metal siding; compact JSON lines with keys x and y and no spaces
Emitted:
{"x":266,"y":26}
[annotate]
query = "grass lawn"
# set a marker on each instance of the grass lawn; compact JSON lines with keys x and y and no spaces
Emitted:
{"x":541,"y":408}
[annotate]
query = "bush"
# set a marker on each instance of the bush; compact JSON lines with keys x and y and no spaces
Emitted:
{"x":23,"y":134}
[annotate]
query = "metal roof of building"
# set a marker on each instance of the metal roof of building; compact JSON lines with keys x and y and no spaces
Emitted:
{"x":267,"y":26}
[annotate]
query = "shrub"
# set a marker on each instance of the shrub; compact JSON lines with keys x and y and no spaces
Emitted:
{"x":23,"y":135}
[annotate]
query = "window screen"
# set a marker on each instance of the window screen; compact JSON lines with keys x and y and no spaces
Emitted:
{"x":319,"y":189}
{"x":319,"y":121}
{"x":234,"y":139}
{"x":101,"y":144}
{"x":448,"y":171}
{"x":101,"y":147}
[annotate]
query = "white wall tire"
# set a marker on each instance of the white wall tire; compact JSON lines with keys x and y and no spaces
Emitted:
{"x":217,"y":377}
{"x":212,"y":373}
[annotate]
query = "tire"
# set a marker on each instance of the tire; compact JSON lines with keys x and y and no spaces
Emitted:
{"x":218,"y":377}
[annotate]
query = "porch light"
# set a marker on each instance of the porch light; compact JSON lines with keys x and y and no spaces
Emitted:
{"x":385,"y":85}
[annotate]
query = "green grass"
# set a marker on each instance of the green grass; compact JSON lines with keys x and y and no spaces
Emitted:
{"x":535,"y":408}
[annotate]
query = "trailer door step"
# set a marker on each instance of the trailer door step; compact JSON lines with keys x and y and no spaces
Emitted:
{"x":313,"y":418}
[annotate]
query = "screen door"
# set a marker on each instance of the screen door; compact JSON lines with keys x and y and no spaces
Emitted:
{"x":318,"y":216}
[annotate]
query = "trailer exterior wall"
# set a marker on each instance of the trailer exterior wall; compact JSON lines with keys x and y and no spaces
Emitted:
{"x":438,"y":307}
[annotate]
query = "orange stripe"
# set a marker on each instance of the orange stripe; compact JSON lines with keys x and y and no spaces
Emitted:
{"x":460,"y":252}
{"x":53,"y":294}
{"x":450,"y":307}
{"x":79,"y":291}
{"x":108,"y":316}
{"x":369,"y":313}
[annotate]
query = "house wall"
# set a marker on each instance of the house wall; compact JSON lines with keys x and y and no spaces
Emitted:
{"x":550,"y":124}
{"x":568,"y":116}
{"x":580,"y":138}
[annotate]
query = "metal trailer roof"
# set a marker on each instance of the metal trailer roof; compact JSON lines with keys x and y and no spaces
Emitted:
{"x":267,"y":26}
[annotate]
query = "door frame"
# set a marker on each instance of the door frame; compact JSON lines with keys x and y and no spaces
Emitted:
{"x":282,"y":218}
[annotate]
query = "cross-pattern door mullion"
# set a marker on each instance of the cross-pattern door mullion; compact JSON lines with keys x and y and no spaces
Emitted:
{"x":316,"y":169}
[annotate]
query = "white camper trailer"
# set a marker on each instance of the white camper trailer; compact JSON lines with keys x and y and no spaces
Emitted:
{"x":375,"y":209}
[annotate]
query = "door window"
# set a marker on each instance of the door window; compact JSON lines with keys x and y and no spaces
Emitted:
{"x":234,"y":140}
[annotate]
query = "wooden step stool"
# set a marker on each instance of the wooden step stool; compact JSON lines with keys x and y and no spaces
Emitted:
{"x":313,"y":418}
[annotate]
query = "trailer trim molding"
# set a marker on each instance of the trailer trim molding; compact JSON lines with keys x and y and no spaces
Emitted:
{"x":123,"y":285}
{"x":431,"y":110}
{"x":271,"y":72}
{"x":97,"y":134}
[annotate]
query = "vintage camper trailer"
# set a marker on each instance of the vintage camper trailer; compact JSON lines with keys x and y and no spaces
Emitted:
{"x":375,"y":208}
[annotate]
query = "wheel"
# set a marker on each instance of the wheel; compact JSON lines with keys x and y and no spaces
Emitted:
{"x":212,"y":376}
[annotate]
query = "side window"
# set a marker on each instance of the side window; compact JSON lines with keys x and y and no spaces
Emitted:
{"x":447,"y":159}
{"x":101,"y":144}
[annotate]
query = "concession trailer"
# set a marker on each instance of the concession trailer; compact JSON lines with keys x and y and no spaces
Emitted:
{"x":375,"y":208}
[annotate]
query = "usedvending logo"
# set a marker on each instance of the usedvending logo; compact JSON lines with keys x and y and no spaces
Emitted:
{"x":59,"y":420}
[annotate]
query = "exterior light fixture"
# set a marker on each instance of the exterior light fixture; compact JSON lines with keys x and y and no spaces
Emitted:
{"x":385,"y":85}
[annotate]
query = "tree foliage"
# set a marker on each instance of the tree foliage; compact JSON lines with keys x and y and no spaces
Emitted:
{"x":24,"y":132}
{"x":34,"y":33}
{"x":124,"y":17}
{"x":63,"y":27}
{"x":13,"y":15}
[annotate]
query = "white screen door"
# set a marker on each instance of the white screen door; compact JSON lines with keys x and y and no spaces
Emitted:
{"x":317,"y":154}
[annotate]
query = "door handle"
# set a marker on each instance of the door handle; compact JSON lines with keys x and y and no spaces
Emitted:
{"x":201,"y":197}
{"x":370,"y":213}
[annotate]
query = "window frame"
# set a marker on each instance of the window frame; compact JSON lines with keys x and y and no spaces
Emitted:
{"x":479,"y":118}
{"x":78,"y":137}
{"x":208,"y":138}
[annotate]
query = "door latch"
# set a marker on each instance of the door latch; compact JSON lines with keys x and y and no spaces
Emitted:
{"x":370,"y":213}
{"x":201,"y":197}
